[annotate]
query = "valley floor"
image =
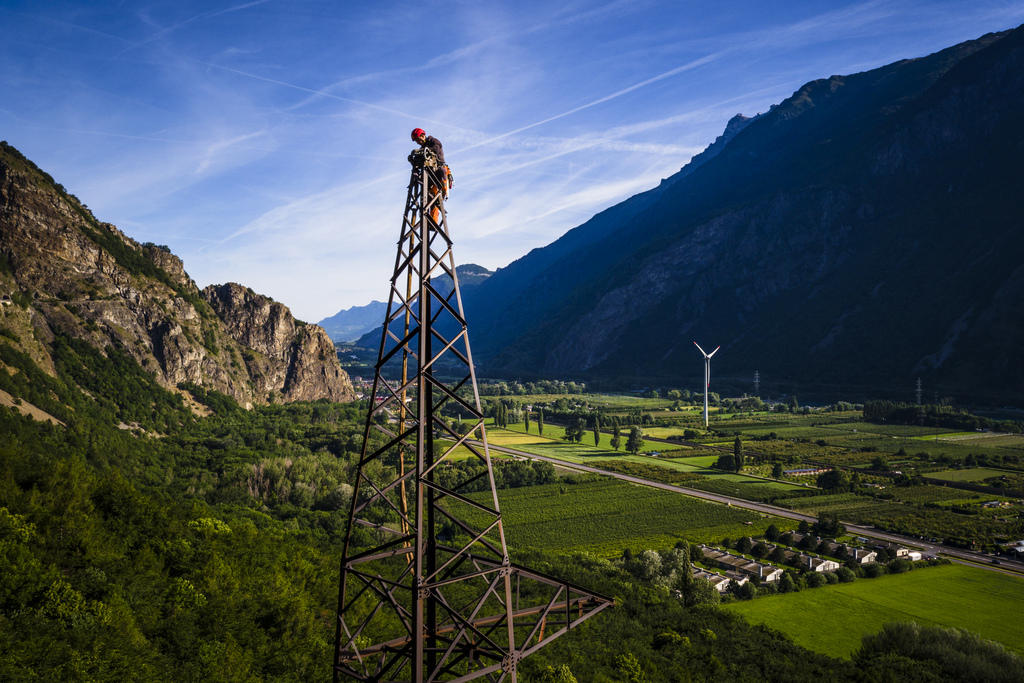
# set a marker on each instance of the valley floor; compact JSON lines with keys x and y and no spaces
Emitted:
{"x":833,"y":619}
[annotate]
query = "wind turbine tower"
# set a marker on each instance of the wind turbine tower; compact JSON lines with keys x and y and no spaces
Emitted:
{"x":707,"y":378}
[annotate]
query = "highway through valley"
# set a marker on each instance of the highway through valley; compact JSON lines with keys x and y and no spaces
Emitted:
{"x":967,"y":557}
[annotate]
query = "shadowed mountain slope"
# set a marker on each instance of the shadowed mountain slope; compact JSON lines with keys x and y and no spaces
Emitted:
{"x":862,"y":233}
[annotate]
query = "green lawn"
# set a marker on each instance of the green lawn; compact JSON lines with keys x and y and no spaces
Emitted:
{"x":699,"y":461}
{"x":970,"y":474}
{"x":833,"y":619}
{"x":515,"y":437}
{"x":664,"y":432}
{"x":606,"y":516}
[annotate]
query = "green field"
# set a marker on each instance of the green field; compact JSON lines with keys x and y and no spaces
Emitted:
{"x":714,"y":480}
{"x":606,"y":516}
{"x":664,"y":432}
{"x":554,"y":435}
{"x":833,"y":619}
{"x":698,"y":461}
{"x":970,"y":474}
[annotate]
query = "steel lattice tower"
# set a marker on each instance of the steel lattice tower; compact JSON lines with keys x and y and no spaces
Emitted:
{"x":427,"y":590}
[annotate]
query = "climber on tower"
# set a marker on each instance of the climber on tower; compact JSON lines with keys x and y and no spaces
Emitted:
{"x":429,"y":142}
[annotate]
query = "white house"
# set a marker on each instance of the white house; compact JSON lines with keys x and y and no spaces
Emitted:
{"x":737,"y":578}
{"x":820,"y":564}
{"x":863,"y":556}
{"x":718,"y":582}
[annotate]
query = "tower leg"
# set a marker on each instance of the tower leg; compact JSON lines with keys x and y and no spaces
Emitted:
{"x":414,"y":605}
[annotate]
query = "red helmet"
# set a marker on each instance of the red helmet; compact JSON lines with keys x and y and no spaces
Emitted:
{"x":417,"y":132}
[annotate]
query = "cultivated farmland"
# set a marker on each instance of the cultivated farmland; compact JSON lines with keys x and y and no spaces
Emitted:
{"x":606,"y":516}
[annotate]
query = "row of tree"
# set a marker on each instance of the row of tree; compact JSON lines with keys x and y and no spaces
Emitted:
{"x":894,"y":412}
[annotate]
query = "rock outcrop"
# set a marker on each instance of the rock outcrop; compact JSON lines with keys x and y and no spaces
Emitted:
{"x":300,"y":358}
{"x":70,"y":274}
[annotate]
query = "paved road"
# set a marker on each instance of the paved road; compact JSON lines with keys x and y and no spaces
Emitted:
{"x":1011,"y":567}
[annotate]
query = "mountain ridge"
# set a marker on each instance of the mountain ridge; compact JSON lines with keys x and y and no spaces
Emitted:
{"x":773,"y":243}
{"x":66,"y":273}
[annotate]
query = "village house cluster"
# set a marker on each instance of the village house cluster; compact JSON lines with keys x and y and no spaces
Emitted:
{"x":738,"y":570}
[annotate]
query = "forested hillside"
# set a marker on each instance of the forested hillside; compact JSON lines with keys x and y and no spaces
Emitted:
{"x":211,"y":552}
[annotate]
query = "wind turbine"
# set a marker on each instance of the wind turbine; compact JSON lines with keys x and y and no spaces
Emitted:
{"x":707,"y":378}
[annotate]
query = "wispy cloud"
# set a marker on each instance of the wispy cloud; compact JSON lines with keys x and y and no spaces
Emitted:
{"x":215,"y":149}
{"x":163,"y":32}
{"x":265,"y":142}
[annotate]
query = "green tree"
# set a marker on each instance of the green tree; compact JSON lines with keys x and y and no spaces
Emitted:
{"x":943,"y":653}
{"x":828,"y":524}
{"x":616,"y":436}
{"x":777,"y":470}
{"x":540,"y":421}
{"x":737,"y":454}
{"x":526,"y":421}
{"x":726,"y":462}
{"x":834,"y":480}
{"x":635,"y":441}
{"x":629,"y":667}
{"x":579,"y":429}
{"x":559,"y":674}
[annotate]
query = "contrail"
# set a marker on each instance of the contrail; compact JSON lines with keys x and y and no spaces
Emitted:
{"x":204,"y":15}
{"x":323,"y":93}
{"x":619,"y":93}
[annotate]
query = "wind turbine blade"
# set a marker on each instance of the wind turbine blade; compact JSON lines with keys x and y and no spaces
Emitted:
{"x":715,"y":351}
{"x":698,"y":346}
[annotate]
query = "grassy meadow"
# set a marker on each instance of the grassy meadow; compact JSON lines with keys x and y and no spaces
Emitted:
{"x":969,"y":474}
{"x":833,"y":619}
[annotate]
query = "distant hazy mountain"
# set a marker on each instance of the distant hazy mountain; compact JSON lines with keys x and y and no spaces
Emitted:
{"x":350,"y":324}
{"x":864,"y":232}
{"x":470,"y":275}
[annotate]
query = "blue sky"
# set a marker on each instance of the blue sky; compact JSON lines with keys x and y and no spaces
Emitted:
{"x":265,"y":141}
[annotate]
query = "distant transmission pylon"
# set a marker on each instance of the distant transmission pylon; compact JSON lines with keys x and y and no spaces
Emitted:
{"x":757,"y":383}
{"x":427,"y":591}
{"x":917,"y":391}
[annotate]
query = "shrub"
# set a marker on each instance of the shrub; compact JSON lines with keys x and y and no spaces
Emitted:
{"x":816,"y":580}
{"x":845,"y":575}
{"x":873,"y":570}
{"x":899,"y":566}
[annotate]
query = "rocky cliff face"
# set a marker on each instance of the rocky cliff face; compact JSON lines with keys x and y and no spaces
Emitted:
{"x":285,"y":354}
{"x":70,"y":274}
